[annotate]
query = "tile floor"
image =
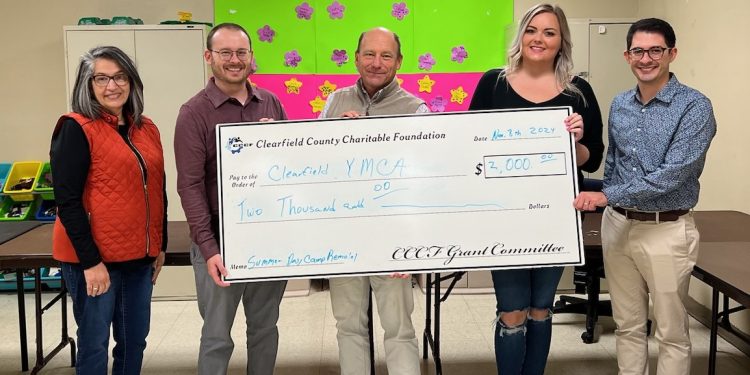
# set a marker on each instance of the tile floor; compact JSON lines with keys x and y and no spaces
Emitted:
{"x":308,"y":340}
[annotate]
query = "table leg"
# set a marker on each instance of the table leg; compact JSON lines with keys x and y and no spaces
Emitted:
{"x":436,"y":328}
{"x":714,"y":331}
{"x":22,"y":320}
{"x":427,"y":335}
{"x":38,"y":314}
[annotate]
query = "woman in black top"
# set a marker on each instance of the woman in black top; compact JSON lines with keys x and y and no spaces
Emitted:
{"x":538,"y":74}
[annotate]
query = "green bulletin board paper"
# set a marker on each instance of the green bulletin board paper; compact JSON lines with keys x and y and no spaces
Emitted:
{"x":476,"y":24}
{"x":292,"y":33}
{"x":434,"y":26}
{"x":359,"y":16}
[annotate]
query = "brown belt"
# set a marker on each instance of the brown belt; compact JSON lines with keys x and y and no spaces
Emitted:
{"x":673,"y":215}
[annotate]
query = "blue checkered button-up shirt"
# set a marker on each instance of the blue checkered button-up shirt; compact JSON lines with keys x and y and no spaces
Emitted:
{"x":657,"y":150}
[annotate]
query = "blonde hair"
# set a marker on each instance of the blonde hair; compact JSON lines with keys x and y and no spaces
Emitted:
{"x":563,"y":64}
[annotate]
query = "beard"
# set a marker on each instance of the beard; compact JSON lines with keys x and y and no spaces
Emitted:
{"x":222,"y":73}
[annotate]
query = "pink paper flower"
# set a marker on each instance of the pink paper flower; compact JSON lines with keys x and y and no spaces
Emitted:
{"x":266,"y":34}
{"x":336,"y":10}
{"x":292,"y":58}
{"x":437,"y":104}
{"x":458,"y":54}
{"x":304,"y":10}
{"x":426,"y":61}
{"x":399,"y":10}
{"x":339,"y":56}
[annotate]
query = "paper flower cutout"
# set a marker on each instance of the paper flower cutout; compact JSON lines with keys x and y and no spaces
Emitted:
{"x":426,"y":61}
{"x":266,"y":34}
{"x":317,"y":104}
{"x":327,"y":88}
{"x":458,"y":95}
{"x":399,"y":10}
{"x":437,"y":104}
{"x":292,"y":86}
{"x":458,"y":54}
{"x":425,"y":84}
{"x":336,"y":10}
{"x":339,"y":56}
{"x":292,"y":58}
{"x":399,"y":80}
{"x":304,"y":10}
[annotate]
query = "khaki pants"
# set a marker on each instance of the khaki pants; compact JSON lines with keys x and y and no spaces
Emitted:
{"x":642,"y":258}
{"x":395,"y":302}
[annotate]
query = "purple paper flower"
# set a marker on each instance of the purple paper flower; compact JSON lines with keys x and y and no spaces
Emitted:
{"x":304,"y":10}
{"x":266,"y":34}
{"x":339,"y":56}
{"x":437,"y":104}
{"x":458,"y":54}
{"x":399,"y":10}
{"x":336,"y":10}
{"x":292,"y":58}
{"x":426,"y":61}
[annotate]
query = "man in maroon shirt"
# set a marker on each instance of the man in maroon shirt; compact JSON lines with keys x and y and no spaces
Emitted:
{"x":228,"y":97}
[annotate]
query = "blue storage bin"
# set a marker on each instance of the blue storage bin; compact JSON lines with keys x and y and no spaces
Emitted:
{"x":46,"y":211}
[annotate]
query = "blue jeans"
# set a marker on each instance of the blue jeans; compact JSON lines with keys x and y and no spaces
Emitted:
{"x":126,"y":307}
{"x":523,"y":349}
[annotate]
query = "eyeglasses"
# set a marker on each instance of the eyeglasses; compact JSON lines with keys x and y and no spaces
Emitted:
{"x":102,"y":80}
{"x":655,"y":53}
{"x":226,"y":54}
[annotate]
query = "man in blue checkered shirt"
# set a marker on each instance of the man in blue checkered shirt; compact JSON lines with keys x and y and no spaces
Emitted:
{"x":659,"y":133}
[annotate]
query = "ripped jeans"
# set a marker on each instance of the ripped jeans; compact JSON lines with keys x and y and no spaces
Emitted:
{"x":523,"y":349}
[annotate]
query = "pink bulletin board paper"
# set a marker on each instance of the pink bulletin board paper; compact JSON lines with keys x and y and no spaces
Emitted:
{"x":455,"y":89}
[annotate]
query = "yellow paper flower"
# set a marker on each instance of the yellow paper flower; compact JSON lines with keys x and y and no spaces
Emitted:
{"x":425,"y":84}
{"x":317,"y":104}
{"x":327,"y":88}
{"x":400,"y":81}
{"x":458,"y":95}
{"x":292,"y":86}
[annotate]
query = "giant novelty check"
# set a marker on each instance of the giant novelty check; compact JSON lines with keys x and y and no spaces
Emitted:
{"x":416,"y":193}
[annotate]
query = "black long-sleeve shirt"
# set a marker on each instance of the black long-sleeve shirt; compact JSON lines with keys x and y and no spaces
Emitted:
{"x":70,"y":159}
{"x":494,"y":92}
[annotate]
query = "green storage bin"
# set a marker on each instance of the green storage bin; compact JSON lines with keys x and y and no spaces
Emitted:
{"x":20,"y":172}
{"x":43,"y":183}
{"x":9,"y":207}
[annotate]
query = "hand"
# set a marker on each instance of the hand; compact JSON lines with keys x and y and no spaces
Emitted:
{"x":590,"y":200}
{"x":574,"y":124}
{"x":400,"y":275}
{"x":265,"y":119}
{"x":97,"y":280}
{"x":157,"y":266}
{"x":216,"y":268}
{"x":350,"y":114}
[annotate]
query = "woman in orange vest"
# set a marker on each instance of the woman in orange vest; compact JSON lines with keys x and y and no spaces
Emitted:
{"x":110,"y":233}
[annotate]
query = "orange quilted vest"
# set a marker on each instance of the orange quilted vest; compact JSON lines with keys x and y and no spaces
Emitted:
{"x":126,"y":217}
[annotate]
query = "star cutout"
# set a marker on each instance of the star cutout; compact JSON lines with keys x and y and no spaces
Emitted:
{"x":292,"y":86}
{"x":425,"y":84}
{"x":327,"y":88}
{"x":458,"y":95}
{"x":400,"y":81}
{"x":317,"y":104}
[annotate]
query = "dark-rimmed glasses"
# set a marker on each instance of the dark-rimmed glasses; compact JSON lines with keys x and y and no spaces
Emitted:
{"x":226,"y":54}
{"x":655,"y":53}
{"x":102,"y":80}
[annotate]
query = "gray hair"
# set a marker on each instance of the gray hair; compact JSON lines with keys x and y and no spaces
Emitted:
{"x":563,"y":64}
{"x":83,"y":100}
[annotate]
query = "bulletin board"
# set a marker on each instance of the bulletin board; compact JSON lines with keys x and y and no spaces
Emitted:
{"x":305,"y":49}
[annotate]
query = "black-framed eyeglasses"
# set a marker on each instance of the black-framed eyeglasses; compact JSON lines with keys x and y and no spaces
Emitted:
{"x":226,"y":54}
{"x":655,"y":53}
{"x":102,"y":80}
